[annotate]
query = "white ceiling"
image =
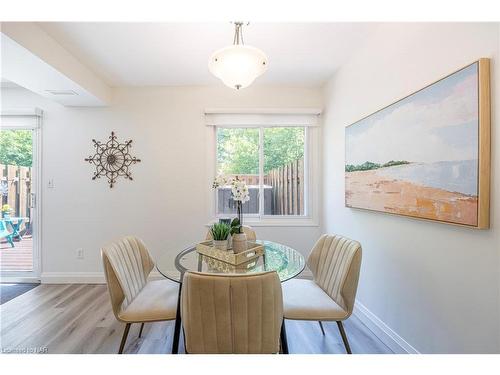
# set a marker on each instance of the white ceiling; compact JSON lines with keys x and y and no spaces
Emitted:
{"x":171,"y":54}
{"x":20,"y":67}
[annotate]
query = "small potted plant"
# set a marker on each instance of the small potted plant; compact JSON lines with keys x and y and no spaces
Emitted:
{"x":6,"y":210}
{"x":240,"y":194}
{"x":220,"y":234}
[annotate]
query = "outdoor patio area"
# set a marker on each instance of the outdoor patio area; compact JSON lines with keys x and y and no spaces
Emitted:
{"x":18,"y":258}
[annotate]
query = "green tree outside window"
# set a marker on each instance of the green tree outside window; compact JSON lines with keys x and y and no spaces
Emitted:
{"x":238,"y":149}
{"x":16,"y":147}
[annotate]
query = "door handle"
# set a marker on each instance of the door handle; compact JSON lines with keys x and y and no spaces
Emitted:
{"x":32,"y":200}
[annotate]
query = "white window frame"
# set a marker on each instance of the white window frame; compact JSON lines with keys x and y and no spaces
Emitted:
{"x":311,"y":177}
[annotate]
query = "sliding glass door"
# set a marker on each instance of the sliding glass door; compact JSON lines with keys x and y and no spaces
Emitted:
{"x":19,"y":221}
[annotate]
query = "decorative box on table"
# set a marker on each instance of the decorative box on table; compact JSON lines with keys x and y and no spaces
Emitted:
{"x":218,"y":266}
{"x":228,"y":256}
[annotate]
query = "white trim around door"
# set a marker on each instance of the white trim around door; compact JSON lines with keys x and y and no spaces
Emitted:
{"x":29,"y":119}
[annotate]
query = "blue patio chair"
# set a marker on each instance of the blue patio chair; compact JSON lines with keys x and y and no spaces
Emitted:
{"x":5,"y":233}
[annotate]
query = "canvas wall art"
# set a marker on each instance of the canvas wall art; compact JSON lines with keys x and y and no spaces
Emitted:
{"x":427,"y":155}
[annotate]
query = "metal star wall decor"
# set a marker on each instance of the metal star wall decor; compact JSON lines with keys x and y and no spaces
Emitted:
{"x":112,"y":159}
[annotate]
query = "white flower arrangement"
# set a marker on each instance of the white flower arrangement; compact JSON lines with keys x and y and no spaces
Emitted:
{"x":239,"y":192}
{"x":221,"y":180}
{"x":239,"y":188}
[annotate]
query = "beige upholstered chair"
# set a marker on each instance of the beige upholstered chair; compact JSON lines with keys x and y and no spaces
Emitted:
{"x":251,"y":236}
{"x":134,"y":299}
{"x":335,"y":262}
{"x":231,"y":313}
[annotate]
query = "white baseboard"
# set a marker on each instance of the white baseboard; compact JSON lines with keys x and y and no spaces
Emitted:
{"x":390,"y":338}
{"x":82,"y":277}
{"x":72,"y":278}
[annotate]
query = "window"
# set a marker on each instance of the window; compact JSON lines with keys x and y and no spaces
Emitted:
{"x":238,"y":155}
{"x":271,"y":160}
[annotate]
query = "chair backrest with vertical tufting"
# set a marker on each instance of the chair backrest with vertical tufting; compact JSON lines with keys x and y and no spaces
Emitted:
{"x":232,"y":313}
{"x":127,"y":264}
{"x":335,"y":262}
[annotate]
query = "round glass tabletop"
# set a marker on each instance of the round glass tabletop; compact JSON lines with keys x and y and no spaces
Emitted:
{"x":286,"y":261}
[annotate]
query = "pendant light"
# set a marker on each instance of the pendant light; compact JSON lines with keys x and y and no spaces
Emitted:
{"x":238,"y":65}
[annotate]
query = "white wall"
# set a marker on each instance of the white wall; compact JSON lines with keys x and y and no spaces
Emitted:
{"x":167,"y":203}
{"x":435,"y":285}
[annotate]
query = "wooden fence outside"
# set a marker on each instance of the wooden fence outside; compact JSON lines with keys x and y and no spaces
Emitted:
{"x":250,"y":179}
{"x":288,"y":188}
{"x":16,"y":189}
{"x":287,"y":185}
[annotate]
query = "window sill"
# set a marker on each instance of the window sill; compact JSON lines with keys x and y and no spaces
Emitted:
{"x":276,"y":222}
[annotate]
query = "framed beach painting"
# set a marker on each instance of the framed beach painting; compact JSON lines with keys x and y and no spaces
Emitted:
{"x":427,"y":155}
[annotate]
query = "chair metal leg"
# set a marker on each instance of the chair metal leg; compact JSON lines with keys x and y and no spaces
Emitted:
{"x":124,"y":338}
{"x":321,"y":326}
{"x":140,"y":332}
{"x":284,"y":341}
{"x":184,"y":339}
{"x":177,"y":326}
{"x":344,"y":337}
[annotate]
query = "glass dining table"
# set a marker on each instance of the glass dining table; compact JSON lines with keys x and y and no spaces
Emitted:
{"x":286,"y":261}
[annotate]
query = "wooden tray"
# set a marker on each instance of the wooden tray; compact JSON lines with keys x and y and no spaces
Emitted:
{"x":254,"y":251}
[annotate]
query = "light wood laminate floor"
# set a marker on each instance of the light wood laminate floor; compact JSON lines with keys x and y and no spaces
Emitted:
{"x":77,"y":318}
